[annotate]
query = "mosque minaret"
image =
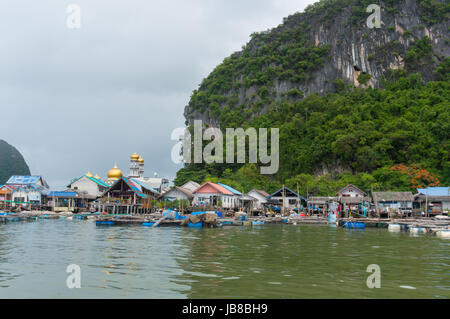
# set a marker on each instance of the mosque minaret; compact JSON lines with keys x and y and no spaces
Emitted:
{"x":136,"y":166}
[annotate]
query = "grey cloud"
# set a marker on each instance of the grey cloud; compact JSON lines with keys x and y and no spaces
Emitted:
{"x":78,"y":100}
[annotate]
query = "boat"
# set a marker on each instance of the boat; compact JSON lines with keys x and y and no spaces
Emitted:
{"x":258,"y":223}
{"x":148,"y":224}
{"x":196,"y":225}
{"x":105,"y":222}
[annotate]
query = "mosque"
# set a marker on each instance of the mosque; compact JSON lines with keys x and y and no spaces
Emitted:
{"x":136,"y":173}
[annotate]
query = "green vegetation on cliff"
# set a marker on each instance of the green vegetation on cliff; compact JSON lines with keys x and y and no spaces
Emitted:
{"x":348,"y":135}
{"x":11,"y":162}
{"x":361,"y":131}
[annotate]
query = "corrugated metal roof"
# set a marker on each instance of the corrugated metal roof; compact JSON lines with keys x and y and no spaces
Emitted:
{"x":7,"y":188}
{"x":185,"y":191}
{"x":63,"y":194}
{"x":351,"y":186}
{"x":26,"y":180}
{"x":194,"y":184}
{"x":281,"y":193}
{"x":392,"y":196}
{"x":135,"y":187}
{"x":261,"y":192}
{"x":144,"y":185}
{"x":434,"y":191}
{"x":99,"y":182}
{"x":217,"y":187}
{"x":28,"y":188}
{"x":231,"y":189}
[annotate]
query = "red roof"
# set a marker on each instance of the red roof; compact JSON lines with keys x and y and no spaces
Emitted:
{"x":6,"y":189}
{"x":212,"y":188}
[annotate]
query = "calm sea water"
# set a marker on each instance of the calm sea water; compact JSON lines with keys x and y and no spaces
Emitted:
{"x":273,"y":261}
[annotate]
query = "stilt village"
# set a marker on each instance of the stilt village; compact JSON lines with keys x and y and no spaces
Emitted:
{"x":150,"y":201}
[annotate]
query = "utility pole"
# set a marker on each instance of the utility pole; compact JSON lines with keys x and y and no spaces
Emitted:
{"x":307,"y":196}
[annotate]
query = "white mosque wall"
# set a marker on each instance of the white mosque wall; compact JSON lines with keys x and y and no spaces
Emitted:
{"x":87,"y":185}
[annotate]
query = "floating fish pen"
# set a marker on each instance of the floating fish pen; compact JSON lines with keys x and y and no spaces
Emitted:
{"x":443,"y":233}
{"x":368,"y":222}
{"x":355,"y":225}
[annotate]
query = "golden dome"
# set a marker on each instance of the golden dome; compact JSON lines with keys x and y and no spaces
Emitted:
{"x":97,"y":177}
{"x":115,"y":173}
{"x":141,"y":160}
{"x":88,"y":174}
{"x":134,"y":157}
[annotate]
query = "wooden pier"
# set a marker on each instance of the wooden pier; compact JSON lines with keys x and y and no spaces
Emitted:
{"x":212,"y":220}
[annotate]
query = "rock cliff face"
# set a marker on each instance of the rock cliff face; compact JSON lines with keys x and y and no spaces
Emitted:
{"x":352,"y":54}
{"x":11,"y":162}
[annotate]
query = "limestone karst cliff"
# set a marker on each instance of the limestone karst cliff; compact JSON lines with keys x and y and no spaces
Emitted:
{"x":313,"y":51}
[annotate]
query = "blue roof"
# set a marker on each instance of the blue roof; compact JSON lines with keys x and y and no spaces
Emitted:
{"x":144,"y":185}
{"x":24,"y":180}
{"x":434,"y":191}
{"x":62,"y":194}
{"x":231,"y":189}
{"x":98,"y":181}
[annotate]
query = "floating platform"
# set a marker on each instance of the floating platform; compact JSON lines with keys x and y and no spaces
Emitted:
{"x":355,"y":225}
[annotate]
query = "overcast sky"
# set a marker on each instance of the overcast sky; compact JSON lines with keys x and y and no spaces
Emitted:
{"x":73,"y":100}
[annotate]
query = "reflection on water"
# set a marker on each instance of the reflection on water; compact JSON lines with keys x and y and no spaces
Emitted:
{"x":274,"y":261}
